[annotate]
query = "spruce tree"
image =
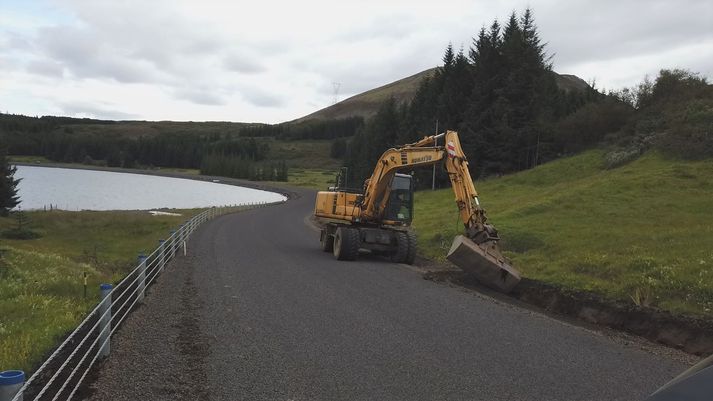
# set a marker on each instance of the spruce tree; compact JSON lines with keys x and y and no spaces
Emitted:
{"x":8,"y":185}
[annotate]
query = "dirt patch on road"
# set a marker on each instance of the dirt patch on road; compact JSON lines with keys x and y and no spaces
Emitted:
{"x":691,"y":335}
{"x":192,"y":345}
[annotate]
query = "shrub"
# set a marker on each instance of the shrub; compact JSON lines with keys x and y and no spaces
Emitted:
{"x":21,"y":234}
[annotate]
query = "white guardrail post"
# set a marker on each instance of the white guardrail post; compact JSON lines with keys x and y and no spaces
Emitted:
{"x":161,"y":254}
{"x":105,"y":325}
{"x":142,"y":278}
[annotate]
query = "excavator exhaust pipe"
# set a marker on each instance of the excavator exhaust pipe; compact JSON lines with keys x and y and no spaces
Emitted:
{"x":485,"y":262}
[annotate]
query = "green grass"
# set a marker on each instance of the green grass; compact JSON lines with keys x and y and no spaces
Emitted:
{"x":41,"y":280}
{"x":189,"y":171}
{"x":319,"y":179}
{"x":640,"y":231}
{"x":303,"y":154}
{"x":29,"y":159}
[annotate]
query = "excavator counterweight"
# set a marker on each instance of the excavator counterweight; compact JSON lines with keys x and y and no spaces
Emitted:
{"x":378,"y":218}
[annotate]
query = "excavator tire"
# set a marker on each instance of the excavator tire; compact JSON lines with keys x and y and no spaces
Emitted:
{"x":412,"y":246}
{"x":346,"y":243}
{"x":327,"y":241}
{"x":400,"y":255}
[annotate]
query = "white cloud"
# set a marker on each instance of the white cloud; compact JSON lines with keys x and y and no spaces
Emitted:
{"x":273,"y":61}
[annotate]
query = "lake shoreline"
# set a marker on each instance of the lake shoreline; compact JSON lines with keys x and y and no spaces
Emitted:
{"x":268,"y":187}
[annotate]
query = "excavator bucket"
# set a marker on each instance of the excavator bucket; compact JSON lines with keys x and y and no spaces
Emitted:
{"x":484,"y":262}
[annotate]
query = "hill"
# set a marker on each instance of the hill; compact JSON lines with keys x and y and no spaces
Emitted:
{"x":576,"y":224}
{"x":367,"y":104}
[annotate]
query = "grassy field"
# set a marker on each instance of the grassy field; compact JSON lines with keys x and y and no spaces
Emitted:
{"x":641,"y":232}
{"x":302,"y":154}
{"x":29,"y":159}
{"x":41,"y":280}
{"x":319,"y":179}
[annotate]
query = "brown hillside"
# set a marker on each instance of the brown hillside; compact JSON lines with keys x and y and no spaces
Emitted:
{"x":366,"y":104}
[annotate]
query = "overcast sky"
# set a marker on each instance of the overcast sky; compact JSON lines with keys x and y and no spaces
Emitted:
{"x":270,"y":61}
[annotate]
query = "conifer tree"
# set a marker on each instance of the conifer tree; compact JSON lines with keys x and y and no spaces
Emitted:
{"x":8,"y":185}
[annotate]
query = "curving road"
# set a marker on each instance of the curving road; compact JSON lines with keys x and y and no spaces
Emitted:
{"x":257,"y":312}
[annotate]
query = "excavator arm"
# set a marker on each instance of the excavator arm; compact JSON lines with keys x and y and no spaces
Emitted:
{"x":476,"y":252}
{"x":377,"y":187}
{"x":425,"y":153}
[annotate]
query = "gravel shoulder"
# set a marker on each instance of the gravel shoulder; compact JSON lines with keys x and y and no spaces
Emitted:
{"x":160,"y":351}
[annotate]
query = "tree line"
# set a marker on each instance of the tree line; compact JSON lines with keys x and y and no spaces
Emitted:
{"x":214,"y":154}
{"x":502,"y":98}
{"x":239,"y":153}
{"x":309,"y":129}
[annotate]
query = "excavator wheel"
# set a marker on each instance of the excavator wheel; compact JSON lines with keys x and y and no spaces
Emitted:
{"x":327,"y":241}
{"x":401,"y":253}
{"x":412,"y":246}
{"x":346,"y":243}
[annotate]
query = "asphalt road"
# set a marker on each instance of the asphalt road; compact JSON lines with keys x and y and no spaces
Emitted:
{"x":257,"y":311}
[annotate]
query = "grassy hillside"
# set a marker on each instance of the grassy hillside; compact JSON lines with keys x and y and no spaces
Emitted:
{"x":303,"y":154}
{"x":41,"y":280}
{"x":641,"y":232}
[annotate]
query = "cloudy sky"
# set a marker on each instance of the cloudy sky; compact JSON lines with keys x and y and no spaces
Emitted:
{"x":273,"y":61}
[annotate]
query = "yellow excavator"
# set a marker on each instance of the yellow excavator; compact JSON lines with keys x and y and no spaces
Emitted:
{"x":378,"y":217}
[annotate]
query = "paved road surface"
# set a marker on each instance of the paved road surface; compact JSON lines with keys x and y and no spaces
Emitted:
{"x":258,"y":312}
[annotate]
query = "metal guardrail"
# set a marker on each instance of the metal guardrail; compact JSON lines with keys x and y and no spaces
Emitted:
{"x":90,"y":341}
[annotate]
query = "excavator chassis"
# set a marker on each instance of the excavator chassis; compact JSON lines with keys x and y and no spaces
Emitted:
{"x":345,"y":241}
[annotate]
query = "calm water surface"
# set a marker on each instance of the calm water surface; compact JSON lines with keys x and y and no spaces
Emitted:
{"x":71,"y":189}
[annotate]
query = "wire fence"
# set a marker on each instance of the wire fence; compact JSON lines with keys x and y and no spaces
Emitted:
{"x":61,"y":375}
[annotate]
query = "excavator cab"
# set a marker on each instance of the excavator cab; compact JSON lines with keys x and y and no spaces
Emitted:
{"x":400,"y":205}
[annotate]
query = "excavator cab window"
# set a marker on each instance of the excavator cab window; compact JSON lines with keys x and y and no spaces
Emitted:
{"x":400,"y":205}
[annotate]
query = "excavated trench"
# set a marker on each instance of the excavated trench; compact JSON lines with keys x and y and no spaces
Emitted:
{"x":691,"y":335}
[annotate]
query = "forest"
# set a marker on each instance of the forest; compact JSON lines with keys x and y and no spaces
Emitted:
{"x":503,"y":99}
{"x":215,"y":149}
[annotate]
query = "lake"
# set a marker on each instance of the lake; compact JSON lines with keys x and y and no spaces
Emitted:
{"x":72,"y":189}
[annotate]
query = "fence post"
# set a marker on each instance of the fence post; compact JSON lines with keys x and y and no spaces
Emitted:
{"x":181,"y":236}
{"x":105,"y":321}
{"x":161,"y":254}
{"x":142,"y":278}
{"x":11,"y":382}
{"x":172,"y":248}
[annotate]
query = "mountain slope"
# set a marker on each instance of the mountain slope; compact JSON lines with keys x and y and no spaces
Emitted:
{"x":367,"y":103}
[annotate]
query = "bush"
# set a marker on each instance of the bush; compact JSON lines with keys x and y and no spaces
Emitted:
{"x":691,"y":142}
{"x":591,"y":123}
{"x":22,"y":234}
